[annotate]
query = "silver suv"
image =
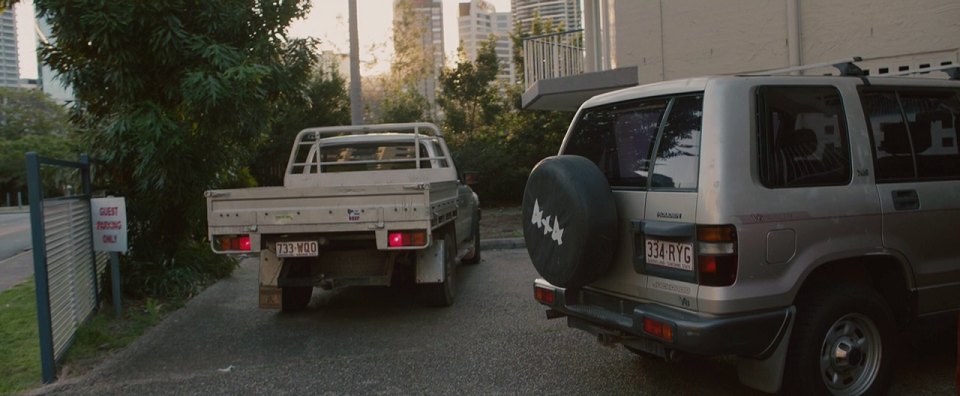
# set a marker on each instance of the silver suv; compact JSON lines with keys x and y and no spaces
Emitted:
{"x":795,"y":222}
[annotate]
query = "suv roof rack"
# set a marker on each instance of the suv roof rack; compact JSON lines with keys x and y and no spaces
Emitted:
{"x":846,"y":67}
{"x":952,"y":70}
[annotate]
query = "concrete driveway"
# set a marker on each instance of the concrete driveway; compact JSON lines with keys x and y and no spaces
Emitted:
{"x":494,"y":340}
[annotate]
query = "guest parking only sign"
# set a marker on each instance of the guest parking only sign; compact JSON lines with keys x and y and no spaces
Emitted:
{"x":109,"y":224}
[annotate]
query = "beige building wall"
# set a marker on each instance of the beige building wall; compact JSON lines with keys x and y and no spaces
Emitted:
{"x":683,"y":38}
{"x":925,"y":31}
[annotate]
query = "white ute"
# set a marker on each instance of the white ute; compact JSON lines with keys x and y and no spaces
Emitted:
{"x":361,"y":205}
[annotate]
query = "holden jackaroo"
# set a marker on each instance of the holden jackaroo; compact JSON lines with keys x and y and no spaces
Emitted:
{"x":796,"y":222}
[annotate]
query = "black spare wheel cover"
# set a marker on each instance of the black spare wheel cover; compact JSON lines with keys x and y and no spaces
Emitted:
{"x":569,"y":221}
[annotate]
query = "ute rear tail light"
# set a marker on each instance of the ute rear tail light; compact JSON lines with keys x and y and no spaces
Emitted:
{"x":717,"y":254}
{"x":397,"y":239}
{"x":544,"y":295}
{"x":225,"y":243}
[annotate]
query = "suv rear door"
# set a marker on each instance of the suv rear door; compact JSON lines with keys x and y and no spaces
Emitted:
{"x":917,"y":168}
{"x":649,"y":151}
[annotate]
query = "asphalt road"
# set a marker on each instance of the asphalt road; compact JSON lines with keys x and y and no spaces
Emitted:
{"x":494,"y":340}
{"x":14,"y":234}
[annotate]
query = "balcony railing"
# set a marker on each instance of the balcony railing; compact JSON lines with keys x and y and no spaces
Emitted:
{"x":552,"y":56}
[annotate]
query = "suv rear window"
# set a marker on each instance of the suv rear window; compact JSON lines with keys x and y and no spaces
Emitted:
{"x":802,"y":137}
{"x":622,"y":138}
{"x":921,"y":146}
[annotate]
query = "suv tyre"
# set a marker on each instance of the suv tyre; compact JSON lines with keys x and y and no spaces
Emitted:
{"x":474,"y":258}
{"x":842,"y":343}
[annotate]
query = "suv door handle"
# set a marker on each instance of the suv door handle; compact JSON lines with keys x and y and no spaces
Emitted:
{"x":906,"y":200}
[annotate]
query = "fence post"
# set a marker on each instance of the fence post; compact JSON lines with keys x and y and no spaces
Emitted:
{"x":44,"y":321}
{"x":87,"y":187}
{"x":115,"y":281}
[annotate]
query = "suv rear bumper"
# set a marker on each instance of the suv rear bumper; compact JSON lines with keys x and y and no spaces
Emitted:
{"x":750,"y":334}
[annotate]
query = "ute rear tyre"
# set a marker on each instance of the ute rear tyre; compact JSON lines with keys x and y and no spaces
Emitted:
{"x":475,"y":257}
{"x":442,"y":294}
{"x":296,"y":298}
{"x":842,"y":343}
{"x":569,"y":221}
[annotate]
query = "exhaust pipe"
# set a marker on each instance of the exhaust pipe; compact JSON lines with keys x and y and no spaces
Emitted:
{"x":553,"y":314}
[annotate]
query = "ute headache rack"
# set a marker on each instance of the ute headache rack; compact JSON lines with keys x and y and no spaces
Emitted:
{"x":313,"y":137}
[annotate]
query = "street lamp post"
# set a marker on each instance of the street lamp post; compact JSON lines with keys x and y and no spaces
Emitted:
{"x":356,"y":104}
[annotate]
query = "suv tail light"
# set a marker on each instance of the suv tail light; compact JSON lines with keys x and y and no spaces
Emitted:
{"x":544,"y":296}
{"x":717,"y":259}
{"x":224,"y":243}
{"x":658,"y":329}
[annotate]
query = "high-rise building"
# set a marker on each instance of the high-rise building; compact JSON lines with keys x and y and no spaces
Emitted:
{"x":563,"y":15}
{"x":50,"y":82}
{"x":430,"y":13}
{"x":478,"y":20}
{"x":9,"y":62}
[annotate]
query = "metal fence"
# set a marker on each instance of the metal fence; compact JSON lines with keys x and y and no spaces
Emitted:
{"x":553,"y":55}
{"x":66,"y":269}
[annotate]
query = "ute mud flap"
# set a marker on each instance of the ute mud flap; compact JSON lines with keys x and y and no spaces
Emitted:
{"x":271,"y":297}
{"x":429,"y":264}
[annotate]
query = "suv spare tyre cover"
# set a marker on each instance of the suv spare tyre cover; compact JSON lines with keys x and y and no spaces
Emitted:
{"x":569,"y":221}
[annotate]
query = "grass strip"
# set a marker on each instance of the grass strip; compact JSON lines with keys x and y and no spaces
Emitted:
{"x":19,"y":340}
{"x":93,"y":342}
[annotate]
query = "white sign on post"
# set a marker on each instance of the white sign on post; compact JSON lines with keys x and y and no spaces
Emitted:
{"x":109,"y":217}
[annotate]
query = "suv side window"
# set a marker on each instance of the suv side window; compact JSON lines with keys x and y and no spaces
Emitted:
{"x":678,"y":151}
{"x":914,"y":133}
{"x":621,"y":139}
{"x":802,"y":136}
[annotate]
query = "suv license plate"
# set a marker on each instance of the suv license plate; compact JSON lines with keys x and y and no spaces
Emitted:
{"x":678,"y":255}
{"x":298,"y":249}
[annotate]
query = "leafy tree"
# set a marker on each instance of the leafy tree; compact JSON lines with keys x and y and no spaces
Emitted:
{"x":29,"y":112}
{"x":31,"y":121}
{"x":403,"y":105}
{"x":173,"y":95}
{"x":505,"y":149}
{"x":470,"y":95}
{"x":323,"y":101}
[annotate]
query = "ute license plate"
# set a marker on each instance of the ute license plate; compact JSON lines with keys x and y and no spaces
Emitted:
{"x":678,"y":255}
{"x":298,"y":249}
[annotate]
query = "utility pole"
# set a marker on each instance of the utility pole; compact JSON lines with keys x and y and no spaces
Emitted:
{"x":356,"y":103}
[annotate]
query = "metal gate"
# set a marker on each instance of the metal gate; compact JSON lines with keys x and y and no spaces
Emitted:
{"x":66,"y":269}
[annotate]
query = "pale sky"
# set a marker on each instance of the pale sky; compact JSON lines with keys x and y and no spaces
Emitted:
{"x":327,"y":21}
